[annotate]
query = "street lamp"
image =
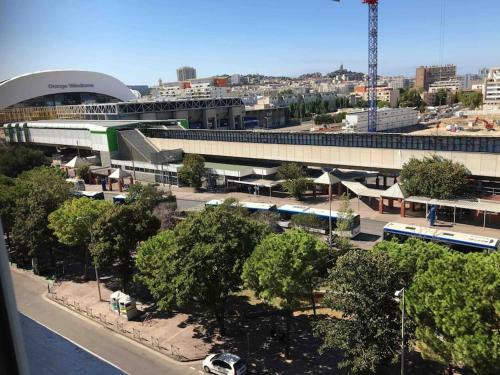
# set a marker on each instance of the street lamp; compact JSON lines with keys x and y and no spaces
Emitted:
{"x":86,"y":220}
{"x":398,"y":294}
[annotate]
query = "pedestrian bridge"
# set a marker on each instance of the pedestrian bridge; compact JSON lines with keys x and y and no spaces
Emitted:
{"x":371,"y":151}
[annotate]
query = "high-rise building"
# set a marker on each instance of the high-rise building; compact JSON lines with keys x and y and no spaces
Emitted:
{"x":186,"y":72}
{"x":491,"y":90}
{"x":426,"y":75}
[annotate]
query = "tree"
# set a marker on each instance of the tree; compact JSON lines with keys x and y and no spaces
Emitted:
{"x":156,"y":261}
{"x":16,"y":159}
{"x":8,"y":195}
{"x":116,"y":234}
{"x":295,"y":179}
{"x":207,"y":259}
{"x":269,"y":218}
{"x":40,"y":191}
{"x":148,"y":196}
{"x":362,"y":286}
{"x":192,"y":170}
{"x":440,"y":98}
{"x":323,"y":119}
{"x":383,"y":103}
{"x":286,"y":268}
{"x":410,"y":98}
{"x":413,"y":256}
{"x":83,"y":172}
{"x":344,"y":225}
{"x":455,"y":305}
{"x":434,"y":177}
{"x":471,"y":100}
{"x":72,"y":223}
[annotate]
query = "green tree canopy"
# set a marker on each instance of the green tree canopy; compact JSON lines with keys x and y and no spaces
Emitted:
{"x":40,"y":191}
{"x":156,"y":261}
{"x":116,"y":234}
{"x":72,"y":222}
{"x":286,"y":268}
{"x":8,"y":195}
{"x":362,"y":286}
{"x":147,"y":195}
{"x":206,"y":262}
{"x":410,"y":98}
{"x":434,"y":177}
{"x":16,"y":159}
{"x":413,"y":256}
{"x":83,"y":172}
{"x":470,"y":99}
{"x":455,"y":304}
{"x":192,"y":170}
{"x":295,"y":179}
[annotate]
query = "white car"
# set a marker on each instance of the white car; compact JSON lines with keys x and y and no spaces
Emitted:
{"x":224,"y":364}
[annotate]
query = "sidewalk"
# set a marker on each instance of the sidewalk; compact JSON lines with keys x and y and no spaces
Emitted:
{"x":171,"y":334}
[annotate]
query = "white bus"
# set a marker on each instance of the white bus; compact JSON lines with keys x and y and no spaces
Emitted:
{"x":455,"y":240}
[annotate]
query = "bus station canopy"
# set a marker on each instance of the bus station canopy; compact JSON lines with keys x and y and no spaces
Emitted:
{"x":256,"y":182}
{"x":468,"y":204}
{"x":361,"y":190}
{"x":394,"y":192}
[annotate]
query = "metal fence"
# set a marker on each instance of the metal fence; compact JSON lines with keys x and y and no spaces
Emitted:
{"x":364,"y":140}
{"x":118,"y":326}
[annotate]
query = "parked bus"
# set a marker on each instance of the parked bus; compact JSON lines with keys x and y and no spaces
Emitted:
{"x":250,"y":206}
{"x":288,"y":210}
{"x":455,"y":240}
{"x":89,"y":194}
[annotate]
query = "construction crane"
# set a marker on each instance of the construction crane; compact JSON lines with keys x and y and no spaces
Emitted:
{"x":372,"y":62}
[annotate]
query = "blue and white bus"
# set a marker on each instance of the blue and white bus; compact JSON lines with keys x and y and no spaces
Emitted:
{"x":455,"y":240}
{"x":250,"y":206}
{"x":288,"y":210}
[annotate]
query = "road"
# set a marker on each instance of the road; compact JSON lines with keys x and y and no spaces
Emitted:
{"x":123,"y":353}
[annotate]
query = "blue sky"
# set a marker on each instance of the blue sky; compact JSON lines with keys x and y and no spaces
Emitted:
{"x":141,"y":41}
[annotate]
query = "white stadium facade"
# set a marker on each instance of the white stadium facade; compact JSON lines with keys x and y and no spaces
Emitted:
{"x":62,"y":87}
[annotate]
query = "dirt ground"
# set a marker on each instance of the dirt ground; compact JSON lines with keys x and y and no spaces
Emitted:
{"x":470,"y":127}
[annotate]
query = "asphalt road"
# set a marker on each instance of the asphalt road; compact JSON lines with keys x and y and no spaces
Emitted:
{"x":129,"y":356}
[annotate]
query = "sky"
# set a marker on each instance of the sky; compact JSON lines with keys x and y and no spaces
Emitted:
{"x":141,"y":41}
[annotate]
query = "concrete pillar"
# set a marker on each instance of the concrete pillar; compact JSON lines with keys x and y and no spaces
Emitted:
{"x":381,"y":205}
{"x":391,"y":203}
{"x":110,"y":181}
{"x":120,"y":185}
{"x":377,"y":182}
{"x":412,"y":206}
{"x":314,"y":191}
{"x":339,"y":188}
{"x":402,"y":207}
{"x":209,"y":115}
{"x":385,"y":182}
{"x":395,"y":180}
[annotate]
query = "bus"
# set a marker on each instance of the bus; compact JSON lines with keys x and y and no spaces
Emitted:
{"x":455,"y":240}
{"x":288,"y":210}
{"x":250,"y":206}
{"x":99,"y":195}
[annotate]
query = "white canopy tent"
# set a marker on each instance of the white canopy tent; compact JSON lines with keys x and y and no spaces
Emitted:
{"x":119,"y":173}
{"x":76,"y":162}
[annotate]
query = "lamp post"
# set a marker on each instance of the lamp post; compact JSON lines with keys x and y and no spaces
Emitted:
{"x":89,"y":226}
{"x":402,"y":294}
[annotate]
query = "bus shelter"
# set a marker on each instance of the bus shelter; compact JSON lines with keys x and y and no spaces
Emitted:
{"x":255,"y":184}
{"x":478,"y":205}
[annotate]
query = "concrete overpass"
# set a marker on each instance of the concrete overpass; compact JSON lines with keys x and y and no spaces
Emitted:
{"x":383,"y":151}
